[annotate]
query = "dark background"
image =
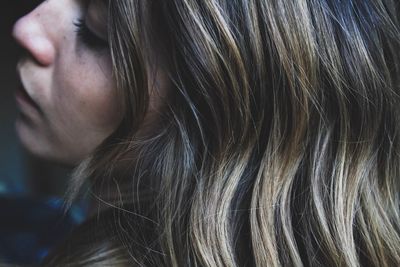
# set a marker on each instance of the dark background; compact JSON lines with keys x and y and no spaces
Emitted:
{"x":20,"y":173}
{"x":33,"y":218}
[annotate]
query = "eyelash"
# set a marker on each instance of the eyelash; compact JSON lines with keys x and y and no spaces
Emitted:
{"x":87,"y":37}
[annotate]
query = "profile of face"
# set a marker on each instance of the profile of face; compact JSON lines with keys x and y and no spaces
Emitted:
{"x":67,"y":99}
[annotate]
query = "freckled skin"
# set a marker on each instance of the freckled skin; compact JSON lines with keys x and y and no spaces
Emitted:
{"x":72,"y":84}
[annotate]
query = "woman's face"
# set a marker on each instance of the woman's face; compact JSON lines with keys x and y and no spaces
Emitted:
{"x":67,"y":99}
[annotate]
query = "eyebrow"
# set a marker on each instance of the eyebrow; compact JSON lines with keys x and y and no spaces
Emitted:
{"x":98,"y":13}
{"x":100,"y":5}
{"x":103,"y":3}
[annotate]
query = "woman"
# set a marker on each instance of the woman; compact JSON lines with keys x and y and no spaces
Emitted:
{"x":220,"y":133}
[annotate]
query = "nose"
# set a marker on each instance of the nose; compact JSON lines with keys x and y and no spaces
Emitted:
{"x":30,"y":32}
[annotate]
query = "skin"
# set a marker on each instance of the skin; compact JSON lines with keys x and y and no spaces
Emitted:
{"x":70,"y":83}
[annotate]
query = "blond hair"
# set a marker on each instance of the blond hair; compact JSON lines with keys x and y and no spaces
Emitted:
{"x":278,"y":144}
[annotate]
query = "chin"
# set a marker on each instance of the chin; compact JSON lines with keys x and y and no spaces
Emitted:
{"x":38,"y":146}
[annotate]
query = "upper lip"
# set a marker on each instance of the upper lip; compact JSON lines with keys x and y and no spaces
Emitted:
{"x":22,"y":87}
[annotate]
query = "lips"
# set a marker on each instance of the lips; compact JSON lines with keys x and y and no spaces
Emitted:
{"x":23,"y":98}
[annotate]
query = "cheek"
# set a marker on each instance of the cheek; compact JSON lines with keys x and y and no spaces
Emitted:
{"x":87,"y":97}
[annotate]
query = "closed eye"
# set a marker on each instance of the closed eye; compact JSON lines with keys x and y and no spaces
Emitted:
{"x":87,"y":37}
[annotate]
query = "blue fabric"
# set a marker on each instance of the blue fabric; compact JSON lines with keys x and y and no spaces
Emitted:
{"x":30,"y":227}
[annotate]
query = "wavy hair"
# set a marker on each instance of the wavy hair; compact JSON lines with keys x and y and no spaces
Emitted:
{"x":277,"y":143}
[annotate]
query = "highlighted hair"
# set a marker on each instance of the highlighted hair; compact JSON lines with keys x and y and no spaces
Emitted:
{"x":277,"y":143}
